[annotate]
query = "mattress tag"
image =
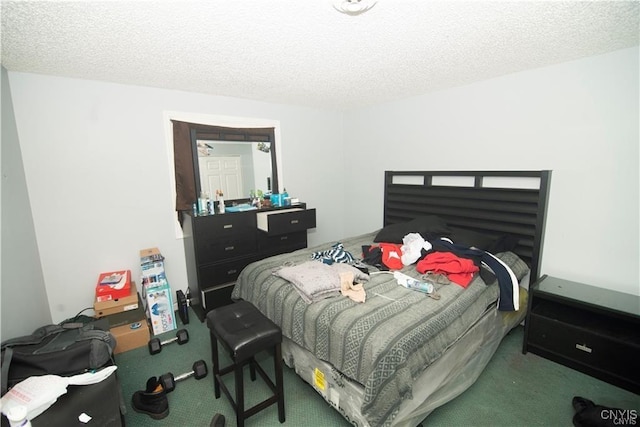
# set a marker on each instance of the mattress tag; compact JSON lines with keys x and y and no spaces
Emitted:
{"x":318,"y":379}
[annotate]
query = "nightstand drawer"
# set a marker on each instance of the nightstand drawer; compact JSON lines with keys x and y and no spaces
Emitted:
{"x":595,"y":342}
{"x":586,"y":347}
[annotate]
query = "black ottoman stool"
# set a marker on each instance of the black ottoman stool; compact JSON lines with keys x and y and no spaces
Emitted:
{"x":244,"y":332}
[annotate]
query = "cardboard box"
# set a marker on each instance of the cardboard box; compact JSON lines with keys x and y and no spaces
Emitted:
{"x":113,"y":285}
{"x":152,"y":267}
{"x":131,"y":336}
{"x":150,"y":255}
{"x":130,"y":302}
{"x":127,"y":317}
{"x":156,"y":292}
{"x":130,"y":328}
{"x":158,"y":302}
{"x":153,"y":277}
{"x":151,"y":261}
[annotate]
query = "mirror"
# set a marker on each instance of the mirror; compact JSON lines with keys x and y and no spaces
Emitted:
{"x":235,"y":168}
{"x":233,"y":160}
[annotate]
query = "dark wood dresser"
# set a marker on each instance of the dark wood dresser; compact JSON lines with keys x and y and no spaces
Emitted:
{"x":217,"y":247}
{"x":590,"y":329}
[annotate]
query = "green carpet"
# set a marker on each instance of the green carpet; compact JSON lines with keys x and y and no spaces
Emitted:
{"x":514,"y":390}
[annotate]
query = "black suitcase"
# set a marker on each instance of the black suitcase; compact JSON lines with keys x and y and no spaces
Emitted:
{"x":66,"y":349}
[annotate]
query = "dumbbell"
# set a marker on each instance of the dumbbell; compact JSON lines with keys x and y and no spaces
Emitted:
{"x":155,"y":345}
{"x":199,"y":371}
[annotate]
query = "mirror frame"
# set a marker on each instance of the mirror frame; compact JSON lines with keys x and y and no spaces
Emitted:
{"x":220,"y":133}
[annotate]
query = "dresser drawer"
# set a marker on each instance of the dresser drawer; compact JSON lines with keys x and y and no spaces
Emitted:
{"x":217,"y":296}
{"x":217,"y":274}
{"x":286,"y":221}
{"x":226,"y":225}
{"x":280,"y":244}
{"x":219,"y":249}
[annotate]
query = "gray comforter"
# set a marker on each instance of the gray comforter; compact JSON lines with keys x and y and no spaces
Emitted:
{"x":383,"y":343}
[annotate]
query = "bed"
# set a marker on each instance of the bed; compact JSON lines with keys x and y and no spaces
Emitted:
{"x":399,"y":355}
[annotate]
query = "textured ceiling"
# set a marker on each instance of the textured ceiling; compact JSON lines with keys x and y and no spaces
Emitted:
{"x":303,"y":52}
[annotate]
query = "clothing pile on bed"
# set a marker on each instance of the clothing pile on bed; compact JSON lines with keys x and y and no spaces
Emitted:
{"x":315,"y":280}
{"x":442,"y":254}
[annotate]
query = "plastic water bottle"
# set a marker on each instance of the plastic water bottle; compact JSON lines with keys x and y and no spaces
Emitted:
{"x":202,"y":203}
{"x":427,"y":288}
{"x":411,"y":283}
{"x":17,"y":417}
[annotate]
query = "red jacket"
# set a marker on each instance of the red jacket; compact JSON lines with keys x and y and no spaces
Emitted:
{"x":458,"y":270}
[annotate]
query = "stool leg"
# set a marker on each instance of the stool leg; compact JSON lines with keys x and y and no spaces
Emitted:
{"x":252,"y":368}
{"x":277,"y":360}
{"x":216,"y":365}
{"x":239,"y":394}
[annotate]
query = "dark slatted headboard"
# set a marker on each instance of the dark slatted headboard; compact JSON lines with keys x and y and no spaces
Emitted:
{"x":491,"y":202}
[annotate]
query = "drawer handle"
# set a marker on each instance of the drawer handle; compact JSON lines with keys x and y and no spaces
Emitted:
{"x":227,"y":226}
{"x":294,"y":221}
{"x":284,"y":237}
{"x":230,"y":272}
{"x":229,"y":248}
{"x":583,"y":347}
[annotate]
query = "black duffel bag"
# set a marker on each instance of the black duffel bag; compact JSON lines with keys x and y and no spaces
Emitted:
{"x":66,"y":349}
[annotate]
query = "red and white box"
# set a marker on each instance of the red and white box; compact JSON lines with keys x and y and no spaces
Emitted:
{"x":113,"y":285}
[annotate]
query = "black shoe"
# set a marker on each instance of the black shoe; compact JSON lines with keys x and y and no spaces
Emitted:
{"x":152,"y":401}
{"x":589,"y":414}
{"x":217,"y":421}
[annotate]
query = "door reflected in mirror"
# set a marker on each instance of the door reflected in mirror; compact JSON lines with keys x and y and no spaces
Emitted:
{"x":235,"y":168}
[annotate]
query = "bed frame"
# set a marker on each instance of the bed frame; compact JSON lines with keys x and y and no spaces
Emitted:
{"x":491,"y":202}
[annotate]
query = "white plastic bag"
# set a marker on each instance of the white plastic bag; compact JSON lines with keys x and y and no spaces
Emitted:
{"x":40,"y":392}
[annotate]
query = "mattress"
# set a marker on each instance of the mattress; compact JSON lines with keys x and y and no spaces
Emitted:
{"x":380,"y":347}
{"x":446,"y":378}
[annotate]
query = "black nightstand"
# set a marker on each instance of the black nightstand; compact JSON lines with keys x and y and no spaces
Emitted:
{"x":590,"y":329}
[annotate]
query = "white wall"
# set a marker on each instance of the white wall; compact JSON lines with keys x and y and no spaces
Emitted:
{"x":579,"y":119}
{"x":23,"y":289}
{"x":95,"y":160}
